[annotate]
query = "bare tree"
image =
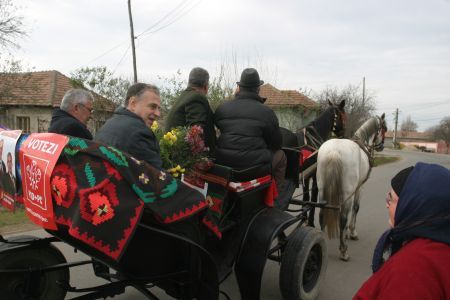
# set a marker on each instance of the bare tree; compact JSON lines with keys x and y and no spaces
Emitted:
{"x":11,"y":25}
{"x":358,"y":109}
{"x":408,"y":125}
{"x":442,"y":131}
{"x":171,"y":88}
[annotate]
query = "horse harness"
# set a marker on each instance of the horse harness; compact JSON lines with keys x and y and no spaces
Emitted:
{"x":311,"y":133}
{"x":370,"y":152}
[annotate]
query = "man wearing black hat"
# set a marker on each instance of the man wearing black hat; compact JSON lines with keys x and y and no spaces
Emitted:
{"x":249,"y":130}
{"x":192,"y":108}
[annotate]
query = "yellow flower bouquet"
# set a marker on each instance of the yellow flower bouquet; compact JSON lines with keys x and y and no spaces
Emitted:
{"x":182,"y":149}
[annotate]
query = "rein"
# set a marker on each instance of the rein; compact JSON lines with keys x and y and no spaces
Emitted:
{"x":314,"y":136}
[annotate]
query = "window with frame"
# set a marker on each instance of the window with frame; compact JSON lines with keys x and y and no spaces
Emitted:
{"x":23,"y":123}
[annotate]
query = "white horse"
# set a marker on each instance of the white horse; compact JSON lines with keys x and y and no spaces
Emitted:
{"x":343,"y":166}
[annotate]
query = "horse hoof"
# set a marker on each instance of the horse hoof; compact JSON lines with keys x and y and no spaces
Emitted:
{"x":344,"y":257}
{"x":354,"y":237}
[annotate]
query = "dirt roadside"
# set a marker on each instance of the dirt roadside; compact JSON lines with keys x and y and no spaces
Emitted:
{"x":17,"y":228}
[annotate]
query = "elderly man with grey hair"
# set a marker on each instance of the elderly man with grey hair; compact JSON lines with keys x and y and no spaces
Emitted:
{"x":73,"y":114}
{"x":192,"y":108}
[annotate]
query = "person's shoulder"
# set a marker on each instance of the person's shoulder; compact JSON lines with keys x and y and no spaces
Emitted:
{"x":192,"y":96}
{"x":432,"y":254}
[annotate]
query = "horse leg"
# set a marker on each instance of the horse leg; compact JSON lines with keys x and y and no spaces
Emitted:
{"x":305,"y":187}
{"x":355,"y":209}
{"x":345,"y":208}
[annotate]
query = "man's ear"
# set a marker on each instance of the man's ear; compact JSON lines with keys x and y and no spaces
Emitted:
{"x":131,"y":103}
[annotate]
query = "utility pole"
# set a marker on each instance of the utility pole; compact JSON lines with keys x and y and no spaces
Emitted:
{"x":394,"y":139}
{"x":133,"y":50}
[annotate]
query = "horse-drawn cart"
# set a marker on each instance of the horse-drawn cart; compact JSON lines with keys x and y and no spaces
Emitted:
{"x":172,"y":257}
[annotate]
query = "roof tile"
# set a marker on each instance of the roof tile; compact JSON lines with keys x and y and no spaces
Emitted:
{"x":285,"y":98}
{"x":44,"y":88}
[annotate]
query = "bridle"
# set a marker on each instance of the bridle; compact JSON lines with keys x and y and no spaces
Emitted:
{"x":370,"y":149}
{"x":381,"y":130}
{"x":338,"y":114}
{"x":315,"y":140}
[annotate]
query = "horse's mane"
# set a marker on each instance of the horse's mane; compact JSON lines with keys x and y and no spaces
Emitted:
{"x":323,"y":122}
{"x":369,"y":128}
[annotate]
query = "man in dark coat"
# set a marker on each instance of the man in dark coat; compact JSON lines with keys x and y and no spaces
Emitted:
{"x":73,"y":114}
{"x":192,"y":108}
{"x":8,"y":178}
{"x":249,"y":130}
{"x":129,"y":128}
{"x":2,"y":164}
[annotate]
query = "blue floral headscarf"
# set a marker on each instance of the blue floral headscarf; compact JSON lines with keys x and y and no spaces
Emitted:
{"x":423,"y":210}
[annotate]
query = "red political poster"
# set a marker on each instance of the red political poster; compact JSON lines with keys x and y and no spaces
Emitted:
{"x":38,"y":156}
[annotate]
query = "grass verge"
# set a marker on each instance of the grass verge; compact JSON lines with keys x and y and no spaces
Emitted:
{"x":8,"y":218}
{"x":381,"y":160}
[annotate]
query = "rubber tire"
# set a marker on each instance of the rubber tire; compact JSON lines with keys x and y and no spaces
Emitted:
{"x":306,"y":250}
{"x":32,"y":258}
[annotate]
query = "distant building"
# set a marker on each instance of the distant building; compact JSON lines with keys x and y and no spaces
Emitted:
{"x":293,"y":109}
{"x":420,"y":140}
{"x":28,"y":99}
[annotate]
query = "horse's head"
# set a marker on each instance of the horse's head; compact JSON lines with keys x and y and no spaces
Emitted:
{"x":340,"y":118}
{"x":378,"y":139}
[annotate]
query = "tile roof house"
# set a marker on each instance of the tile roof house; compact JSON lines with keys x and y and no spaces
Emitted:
{"x":293,"y":109}
{"x":27,"y":100}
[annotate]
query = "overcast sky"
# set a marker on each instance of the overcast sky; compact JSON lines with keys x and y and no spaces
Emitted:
{"x":401,"y":47}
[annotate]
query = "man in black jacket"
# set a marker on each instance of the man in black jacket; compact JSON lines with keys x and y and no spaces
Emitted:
{"x":192,"y":108}
{"x":73,"y":114}
{"x":129,"y":128}
{"x":249,"y":130}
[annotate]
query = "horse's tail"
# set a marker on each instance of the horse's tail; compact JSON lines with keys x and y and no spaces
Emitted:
{"x":332,"y":192}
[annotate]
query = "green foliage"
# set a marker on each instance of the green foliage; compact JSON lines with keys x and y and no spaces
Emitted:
{"x":182,"y":149}
{"x":381,"y":160}
{"x":102,"y":81}
{"x":9,"y":218}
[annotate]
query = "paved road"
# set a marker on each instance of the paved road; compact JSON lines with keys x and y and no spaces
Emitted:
{"x":342,"y":278}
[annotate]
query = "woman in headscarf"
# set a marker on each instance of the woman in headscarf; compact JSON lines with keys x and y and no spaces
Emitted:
{"x":412,"y":258}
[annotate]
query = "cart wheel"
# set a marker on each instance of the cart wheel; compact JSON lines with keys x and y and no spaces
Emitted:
{"x":303,"y":264}
{"x":12,"y":285}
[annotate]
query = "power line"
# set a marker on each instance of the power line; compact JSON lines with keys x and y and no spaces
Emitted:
{"x":177,"y":17}
{"x":174,"y":20}
{"x":120,"y":61}
{"x":432,"y":119}
{"x":421,"y":106}
{"x":106,"y":52}
{"x":163,"y":18}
